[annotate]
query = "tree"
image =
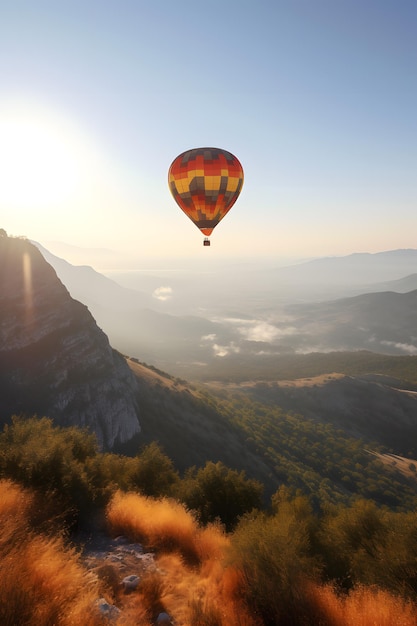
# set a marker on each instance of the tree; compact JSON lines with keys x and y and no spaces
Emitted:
{"x":153,"y":473}
{"x":216,"y":491}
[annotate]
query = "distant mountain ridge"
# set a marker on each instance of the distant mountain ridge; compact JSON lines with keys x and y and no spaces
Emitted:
{"x":360,"y":268}
{"x":54,"y":360}
{"x":300,"y":308}
{"x":384,"y":322}
{"x":401,"y":285}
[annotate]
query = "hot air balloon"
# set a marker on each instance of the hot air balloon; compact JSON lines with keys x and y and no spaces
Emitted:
{"x":205,"y":183}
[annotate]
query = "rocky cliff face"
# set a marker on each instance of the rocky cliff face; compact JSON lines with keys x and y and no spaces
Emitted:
{"x":54,"y":360}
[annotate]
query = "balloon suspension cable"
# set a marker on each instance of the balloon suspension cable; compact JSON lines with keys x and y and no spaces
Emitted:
{"x":206,"y":241}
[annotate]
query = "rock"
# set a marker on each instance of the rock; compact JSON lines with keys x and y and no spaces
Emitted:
{"x":54,"y":359}
{"x":108,"y":610}
{"x":131,"y":582}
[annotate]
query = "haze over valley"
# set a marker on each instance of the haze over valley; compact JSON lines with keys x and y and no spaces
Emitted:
{"x":193,"y":319}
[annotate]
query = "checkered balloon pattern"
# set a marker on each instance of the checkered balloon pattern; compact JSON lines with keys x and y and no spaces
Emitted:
{"x":205,"y":183}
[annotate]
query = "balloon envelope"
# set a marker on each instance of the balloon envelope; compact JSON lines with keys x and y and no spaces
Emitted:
{"x":205,"y":183}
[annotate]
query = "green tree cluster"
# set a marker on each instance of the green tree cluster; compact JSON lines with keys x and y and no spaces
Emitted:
{"x":317,"y":457}
{"x":282,"y":552}
{"x":65,"y":464}
{"x":218,"y":492}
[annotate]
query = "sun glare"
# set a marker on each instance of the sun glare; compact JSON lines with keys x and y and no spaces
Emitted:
{"x":39,"y":162}
{"x":58,"y":181}
{"x":27,"y":283}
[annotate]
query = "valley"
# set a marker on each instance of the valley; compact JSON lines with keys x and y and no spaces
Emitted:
{"x":201,"y":319}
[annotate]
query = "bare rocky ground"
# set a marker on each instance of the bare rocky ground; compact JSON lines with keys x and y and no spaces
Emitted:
{"x":124,"y":557}
{"x":121,"y":566}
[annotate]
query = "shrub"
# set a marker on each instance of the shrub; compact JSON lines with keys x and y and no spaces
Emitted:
{"x":218,"y":492}
{"x":353,"y":540}
{"x":50,"y":459}
{"x":273,"y":557}
{"x":152,"y":472}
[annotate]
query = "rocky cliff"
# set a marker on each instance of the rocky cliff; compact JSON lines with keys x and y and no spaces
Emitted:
{"x":54,"y":360}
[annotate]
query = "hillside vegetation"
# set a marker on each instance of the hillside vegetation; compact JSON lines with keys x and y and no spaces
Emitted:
{"x":221,"y":557}
{"x":247,"y":429}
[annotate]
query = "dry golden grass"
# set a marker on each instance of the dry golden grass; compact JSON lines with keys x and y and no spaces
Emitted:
{"x":362,"y":607}
{"x":313,"y":381}
{"x":196,"y":596}
{"x":43,"y":583}
{"x":161,"y":524}
{"x":41,"y":580}
{"x":14,"y":502}
{"x":164,"y":523}
{"x":406,"y":467}
{"x":191,"y":575}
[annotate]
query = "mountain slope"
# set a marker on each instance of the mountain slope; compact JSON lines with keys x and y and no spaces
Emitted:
{"x":401,"y":285}
{"x":187,"y":423}
{"x":89,"y":286}
{"x":54,"y":360}
{"x":371,"y":407}
{"x":383,"y":322}
{"x":316,"y":440}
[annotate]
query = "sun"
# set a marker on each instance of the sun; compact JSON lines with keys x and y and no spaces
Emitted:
{"x":40,"y":161}
{"x":58,"y":180}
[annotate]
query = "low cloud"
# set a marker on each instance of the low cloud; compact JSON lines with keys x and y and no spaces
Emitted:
{"x":225,"y":350}
{"x":408,"y":348}
{"x":319,"y":348}
{"x":264,"y":331}
{"x":210,"y":337}
{"x":258,"y":329}
{"x":218,"y":349}
{"x":163,"y":293}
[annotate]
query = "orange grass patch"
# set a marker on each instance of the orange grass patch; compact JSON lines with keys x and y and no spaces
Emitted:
{"x":197,"y":595}
{"x":162,"y":524}
{"x":13,"y":500}
{"x":364,"y":606}
{"x":41,"y":580}
{"x":192,"y":591}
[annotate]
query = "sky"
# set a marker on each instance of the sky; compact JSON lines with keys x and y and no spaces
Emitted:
{"x":317,"y":99}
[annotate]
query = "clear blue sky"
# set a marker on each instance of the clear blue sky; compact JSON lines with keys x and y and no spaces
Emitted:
{"x":317,"y":98}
